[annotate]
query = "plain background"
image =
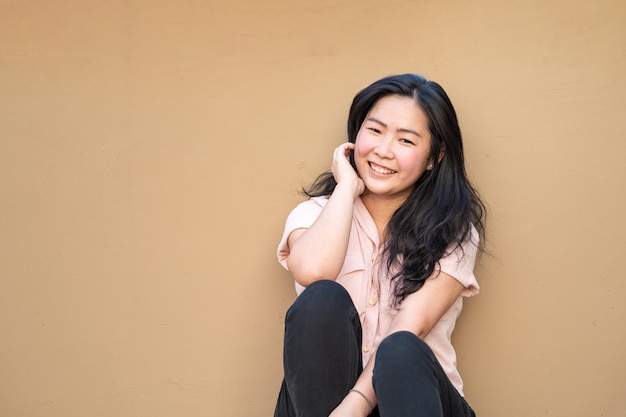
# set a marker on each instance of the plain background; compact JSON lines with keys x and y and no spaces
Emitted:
{"x":151,"y":150}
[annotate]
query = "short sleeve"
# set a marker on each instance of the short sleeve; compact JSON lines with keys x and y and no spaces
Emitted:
{"x":460,"y":264}
{"x":301,"y":217}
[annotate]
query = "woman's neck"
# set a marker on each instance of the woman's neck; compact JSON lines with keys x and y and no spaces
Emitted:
{"x":381,"y":209}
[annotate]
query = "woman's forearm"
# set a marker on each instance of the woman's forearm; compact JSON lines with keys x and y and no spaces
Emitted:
{"x":319,"y":252}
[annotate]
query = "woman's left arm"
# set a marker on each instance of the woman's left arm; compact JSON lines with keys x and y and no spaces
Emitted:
{"x":422,"y":310}
{"x":418,"y":314}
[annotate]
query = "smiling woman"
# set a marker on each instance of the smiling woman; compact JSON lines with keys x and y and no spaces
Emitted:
{"x":383,"y":253}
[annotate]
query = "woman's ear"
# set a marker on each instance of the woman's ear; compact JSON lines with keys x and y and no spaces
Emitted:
{"x":442,"y":151}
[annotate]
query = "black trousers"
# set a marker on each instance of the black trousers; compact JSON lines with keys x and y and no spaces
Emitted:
{"x":322,"y":361}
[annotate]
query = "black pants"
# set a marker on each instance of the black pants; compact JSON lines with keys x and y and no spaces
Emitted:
{"x":322,"y":361}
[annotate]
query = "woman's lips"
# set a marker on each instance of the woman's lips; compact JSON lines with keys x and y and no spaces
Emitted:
{"x":381,"y":169}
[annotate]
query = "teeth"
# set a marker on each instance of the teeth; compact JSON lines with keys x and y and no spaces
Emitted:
{"x":381,"y":170}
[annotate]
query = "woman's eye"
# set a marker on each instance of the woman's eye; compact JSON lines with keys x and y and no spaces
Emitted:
{"x":374,"y":130}
{"x":407,"y":141}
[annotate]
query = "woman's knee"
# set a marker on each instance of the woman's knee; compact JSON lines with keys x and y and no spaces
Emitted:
{"x":405,"y":376}
{"x":400,"y":349}
{"x":322,"y":301}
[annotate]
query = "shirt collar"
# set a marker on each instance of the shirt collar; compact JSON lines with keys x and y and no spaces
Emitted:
{"x":365,"y":220}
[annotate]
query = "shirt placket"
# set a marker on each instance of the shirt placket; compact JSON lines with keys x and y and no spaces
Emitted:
{"x":372,"y":307}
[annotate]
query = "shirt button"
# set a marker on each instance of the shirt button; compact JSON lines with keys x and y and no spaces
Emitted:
{"x":373,"y":301}
{"x":366,"y":348}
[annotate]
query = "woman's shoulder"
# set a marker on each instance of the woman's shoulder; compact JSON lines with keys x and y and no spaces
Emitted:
{"x":308,"y":209}
{"x":320,"y":201}
{"x":313,"y":202}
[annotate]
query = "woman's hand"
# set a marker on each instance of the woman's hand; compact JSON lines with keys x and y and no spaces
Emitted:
{"x":343,"y":171}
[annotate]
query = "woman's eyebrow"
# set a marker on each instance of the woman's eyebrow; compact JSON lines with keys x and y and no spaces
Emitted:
{"x":409,"y":131}
{"x":373,"y":119}
{"x":401,"y":130}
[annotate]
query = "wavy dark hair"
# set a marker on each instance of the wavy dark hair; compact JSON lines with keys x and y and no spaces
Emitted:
{"x":439,"y":213}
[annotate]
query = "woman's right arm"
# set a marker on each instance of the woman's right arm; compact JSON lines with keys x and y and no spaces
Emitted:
{"x":319,"y":252}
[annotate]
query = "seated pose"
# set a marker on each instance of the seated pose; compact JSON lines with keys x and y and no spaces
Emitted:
{"x":382,"y":254}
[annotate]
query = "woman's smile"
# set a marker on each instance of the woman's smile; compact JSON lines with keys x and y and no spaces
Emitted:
{"x":381,"y":169}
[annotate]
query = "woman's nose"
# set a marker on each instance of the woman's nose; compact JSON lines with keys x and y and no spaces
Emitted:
{"x":384,"y":148}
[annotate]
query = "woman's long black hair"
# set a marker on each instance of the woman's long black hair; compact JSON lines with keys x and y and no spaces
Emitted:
{"x":439,"y":213}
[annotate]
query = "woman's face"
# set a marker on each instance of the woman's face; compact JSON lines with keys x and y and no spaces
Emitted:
{"x":392,"y":148}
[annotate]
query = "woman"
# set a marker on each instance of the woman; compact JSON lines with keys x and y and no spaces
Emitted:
{"x":385,"y":248}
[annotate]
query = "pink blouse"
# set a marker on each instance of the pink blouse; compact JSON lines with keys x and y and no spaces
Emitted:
{"x":370,"y":286}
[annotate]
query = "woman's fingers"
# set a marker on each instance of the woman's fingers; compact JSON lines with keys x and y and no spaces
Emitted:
{"x":342,"y":169}
{"x":344,"y":150}
{"x":341,"y":155}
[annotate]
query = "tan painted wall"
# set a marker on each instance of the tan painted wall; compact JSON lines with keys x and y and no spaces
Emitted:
{"x":150,"y":151}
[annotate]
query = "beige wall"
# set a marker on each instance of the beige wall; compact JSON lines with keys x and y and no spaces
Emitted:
{"x":152,"y":149}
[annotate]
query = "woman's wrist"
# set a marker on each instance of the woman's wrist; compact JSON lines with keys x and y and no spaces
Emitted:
{"x":360,"y":400}
{"x":352,"y":187}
